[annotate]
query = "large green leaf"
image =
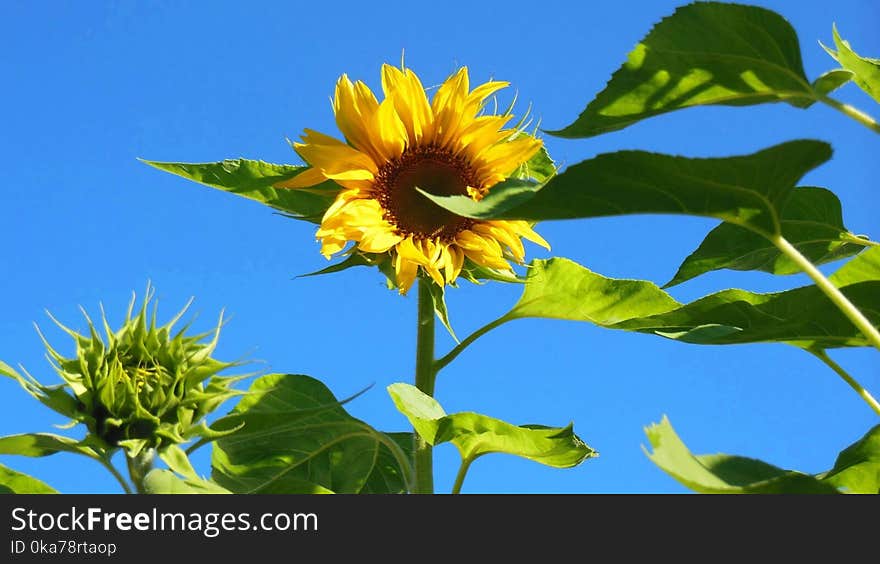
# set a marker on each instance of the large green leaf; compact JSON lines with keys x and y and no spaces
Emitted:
{"x":749,"y":191}
{"x":162,"y":481}
{"x":297,"y":438}
{"x":811,"y":221}
{"x":257,"y":180}
{"x":863,"y":268}
{"x":558,"y":288}
{"x":857,"y":469}
{"x":706,"y":53}
{"x":866,"y":71}
{"x":722,"y":473}
{"x":43,"y":444}
{"x":562,"y":289}
{"x":476,"y":435}
{"x":12,"y":482}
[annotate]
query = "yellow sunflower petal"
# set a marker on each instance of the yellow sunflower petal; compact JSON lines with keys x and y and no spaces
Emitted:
{"x":524,"y":230}
{"x":405,"y":90}
{"x":378,"y":240}
{"x":505,"y":157}
{"x":405,"y":271}
{"x":336,"y":160}
{"x":389,"y":134}
{"x":482,"y":250}
{"x":483,"y":133}
{"x":475,"y":99}
{"x":452,"y":259}
{"x":332,"y":245}
{"x":447,"y":105}
{"x":408,"y":250}
{"x":306,"y":178}
{"x":501,"y":232}
{"x":342,"y":199}
{"x":354,"y":113}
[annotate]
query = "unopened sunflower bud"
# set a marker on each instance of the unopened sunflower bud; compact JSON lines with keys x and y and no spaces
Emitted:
{"x":144,"y":386}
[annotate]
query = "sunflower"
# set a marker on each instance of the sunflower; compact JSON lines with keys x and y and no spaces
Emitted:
{"x":448,"y":146}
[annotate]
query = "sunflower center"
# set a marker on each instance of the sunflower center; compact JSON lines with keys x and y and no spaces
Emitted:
{"x":434,"y":170}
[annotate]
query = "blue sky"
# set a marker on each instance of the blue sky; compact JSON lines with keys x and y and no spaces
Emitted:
{"x":90,"y":87}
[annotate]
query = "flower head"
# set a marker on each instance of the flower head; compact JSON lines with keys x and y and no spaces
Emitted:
{"x":406,"y":143}
{"x":140,"y":387}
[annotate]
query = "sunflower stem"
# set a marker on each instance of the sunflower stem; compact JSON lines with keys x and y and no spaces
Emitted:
{"x":425,"y":376}
{"x":138,"y":468}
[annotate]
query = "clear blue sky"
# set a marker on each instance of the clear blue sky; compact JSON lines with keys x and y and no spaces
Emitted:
{"x":91,"y":86}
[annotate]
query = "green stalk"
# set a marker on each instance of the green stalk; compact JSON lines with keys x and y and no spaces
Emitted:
{"x":833,"y":292}
{"x":425,"y":376}
{"x":138,"y":468}
{"x":462,"y":472}
{"x":852,"y":112}
{"x":450,"y":356}
{"x":863,"y":393}
{"x":112,"y":469}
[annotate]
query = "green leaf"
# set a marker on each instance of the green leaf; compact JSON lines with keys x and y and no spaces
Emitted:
{"x":351,"y":261}
{"x":857,"y":469}
{"x":356,"y":258}
{"x":725,"y":474}
{"x":43,"y":444}
{"x":257,"y":180}
{"x":561,"y":289}
{"x":826,"y":83}
{"x":558,"y":288}
{"x":297,"y":438}
{"x":438,"y":297}
{"x":12,"y":482}
{"x":161,"y":481}
{"x":811,"y":220}
{"x":749,"y":190}
{"x":706,"y":53}
{"x":866,"y":71}
{"x":475,"y":435}
{"x":832,"y":80}
{"x":863,"y":268}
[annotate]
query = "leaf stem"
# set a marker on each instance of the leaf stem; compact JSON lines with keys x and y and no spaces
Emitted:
{"x":462,"y":472}
{"x":852,"y":112}
{"x":109,"y":466}
{"x":865,"y":394}
{"x":426,"y":374}
{"x":830,"y":290}
{"x":400,"y":457}
{"x":864,"y":241}
{"x":450,"y":356}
